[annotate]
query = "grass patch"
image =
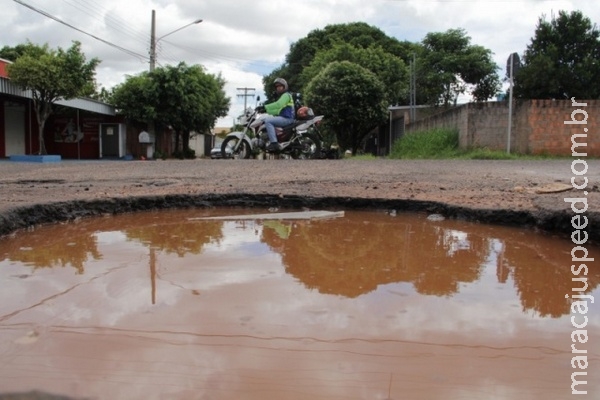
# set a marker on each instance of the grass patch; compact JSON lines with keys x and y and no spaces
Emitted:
{"x":443,"y":144}
{"x":437,"y":143}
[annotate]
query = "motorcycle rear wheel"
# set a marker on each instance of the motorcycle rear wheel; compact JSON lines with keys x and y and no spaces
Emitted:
{"x":310,"y":148}
{"x":228,"y":146}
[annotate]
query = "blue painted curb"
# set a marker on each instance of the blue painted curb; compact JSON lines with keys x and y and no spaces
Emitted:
{"x":35,"y":158}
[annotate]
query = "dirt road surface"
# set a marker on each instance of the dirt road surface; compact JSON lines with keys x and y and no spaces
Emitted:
{"x":523,"y":193}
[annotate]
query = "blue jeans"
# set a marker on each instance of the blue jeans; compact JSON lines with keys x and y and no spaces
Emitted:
{"x":271,"y":122}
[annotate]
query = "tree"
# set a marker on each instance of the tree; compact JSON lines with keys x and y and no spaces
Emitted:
{"x":354,"y":100}
{"x":390,"y":69}
{"x":52,"y":75}
{"x":449,"y":66}
{"x":12,"y":53}
{"x":562,"y":60}
{"x":135,"y":98}
{"x":189,"y":100}
{"x":101,"y":94}
{"x":183,"y":97}
{"x":357,"y":35}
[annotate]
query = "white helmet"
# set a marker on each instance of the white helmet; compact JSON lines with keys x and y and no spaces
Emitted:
{"x":281,"y":81}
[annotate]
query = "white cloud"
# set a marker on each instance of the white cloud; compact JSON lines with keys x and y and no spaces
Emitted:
{"x":244,"y":40}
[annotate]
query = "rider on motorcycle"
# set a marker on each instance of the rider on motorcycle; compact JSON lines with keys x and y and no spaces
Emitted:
{"x":281,"y":113}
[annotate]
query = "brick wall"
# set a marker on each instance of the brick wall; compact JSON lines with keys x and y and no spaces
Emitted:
{"x":551,"y":135}
{"x":537,"y":126}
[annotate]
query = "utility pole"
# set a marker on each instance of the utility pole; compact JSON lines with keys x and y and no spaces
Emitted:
{"x":153,"y":42}
{"x":413,"y":88}
{"x":510,"y":102}
{"x":512,"y":66}
{"x":246,"y":94}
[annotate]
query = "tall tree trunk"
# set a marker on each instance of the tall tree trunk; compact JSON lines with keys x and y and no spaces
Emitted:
{"x":185,"y":141}
{"x":176,"y":150}
{"x":42,"y":112}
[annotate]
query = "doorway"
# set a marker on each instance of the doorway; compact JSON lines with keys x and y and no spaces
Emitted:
{"x":14,"y":128}
{"x":112,"y":141}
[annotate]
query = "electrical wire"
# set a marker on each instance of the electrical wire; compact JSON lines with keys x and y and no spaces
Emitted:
{"x":222,"y":57}
{"x":96,"y":11}
{"x":44,"y":13}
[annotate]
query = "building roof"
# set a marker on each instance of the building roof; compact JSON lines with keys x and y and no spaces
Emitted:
{"x":6,"y":87}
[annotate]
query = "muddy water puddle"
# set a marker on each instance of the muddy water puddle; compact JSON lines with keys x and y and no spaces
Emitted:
{"x":165,"y":305}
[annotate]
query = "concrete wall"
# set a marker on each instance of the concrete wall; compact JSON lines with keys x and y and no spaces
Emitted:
{"x":538,"y":126}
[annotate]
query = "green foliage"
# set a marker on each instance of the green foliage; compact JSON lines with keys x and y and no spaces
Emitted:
{"x":51,"y":75}
{"x":103,"y":95}
{"x":354,"y":100}
{"x":158,"y":154}
{"x":448,"y":65}
{"x":182,"y":97}
{"x":563,"y":58}
{"x":136,"y":98}
{"x":443,"y":144}
{"x":437,"y":143}
{"x":487,"y":154}
{"x":12,"y":53}
{"x":189,"y":98}
{"x":358,"y":35}
{"x":390,"y":69}
{"x":186,"y":154}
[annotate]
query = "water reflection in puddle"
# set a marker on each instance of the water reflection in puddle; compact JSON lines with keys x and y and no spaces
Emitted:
{"x":368,"y":306}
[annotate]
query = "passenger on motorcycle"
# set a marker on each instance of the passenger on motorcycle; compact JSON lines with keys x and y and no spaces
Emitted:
{"x":281,"y":112}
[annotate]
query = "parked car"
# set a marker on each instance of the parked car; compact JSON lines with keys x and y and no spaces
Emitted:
{"x":215,"y":152}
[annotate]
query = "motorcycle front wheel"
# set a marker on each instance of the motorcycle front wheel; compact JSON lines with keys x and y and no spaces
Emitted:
{"x":310,"y":147}
{"x":228,"y":146}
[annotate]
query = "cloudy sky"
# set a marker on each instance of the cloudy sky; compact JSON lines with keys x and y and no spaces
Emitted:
{"x":244,"y":40}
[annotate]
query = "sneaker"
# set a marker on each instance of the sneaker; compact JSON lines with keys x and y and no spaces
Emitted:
{"x":273,"y":147}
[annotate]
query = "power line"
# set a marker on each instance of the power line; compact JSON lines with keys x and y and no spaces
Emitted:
{"x":99,"y":13}
{"x":130,"y":52}
{"x":222,"y":57}
{"x":246,"y":94}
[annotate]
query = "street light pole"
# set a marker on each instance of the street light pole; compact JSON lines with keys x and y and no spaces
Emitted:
{"x":154,"y":39}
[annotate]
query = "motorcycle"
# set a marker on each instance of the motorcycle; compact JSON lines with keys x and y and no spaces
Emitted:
{"x":299,"y":140}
